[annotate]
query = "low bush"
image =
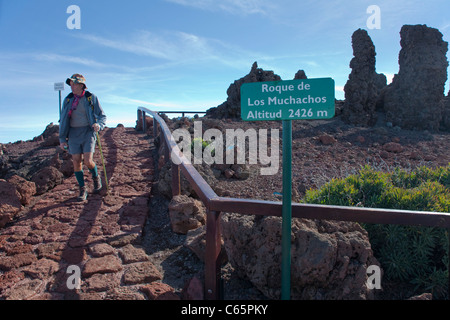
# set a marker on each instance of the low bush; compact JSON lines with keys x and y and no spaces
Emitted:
{"x":200,"y":143}
{"x":418,"y":255}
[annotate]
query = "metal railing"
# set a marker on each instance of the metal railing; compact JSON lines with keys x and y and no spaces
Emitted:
{"x":182,"y":112}
{"x":215,"y":205}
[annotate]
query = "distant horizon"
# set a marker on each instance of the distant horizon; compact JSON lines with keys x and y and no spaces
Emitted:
{"x":140,"y":55}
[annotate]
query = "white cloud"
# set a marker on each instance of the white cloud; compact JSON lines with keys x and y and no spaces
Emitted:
{"x":67,"y":59}
{"x":168,"y":46}
{"x":237,"y":7}
{"x":175,"y":46}
{"x":444,"y":27}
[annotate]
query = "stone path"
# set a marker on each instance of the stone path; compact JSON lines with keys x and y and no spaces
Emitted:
{"x":59,"y":240}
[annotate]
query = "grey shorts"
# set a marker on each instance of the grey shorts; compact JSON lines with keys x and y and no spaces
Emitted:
{"x":81,"y":140}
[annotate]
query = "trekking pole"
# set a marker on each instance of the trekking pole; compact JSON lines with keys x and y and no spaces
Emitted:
{"x":103,"y":161}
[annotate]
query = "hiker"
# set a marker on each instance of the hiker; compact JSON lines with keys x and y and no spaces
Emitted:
{"x":81,"y":119}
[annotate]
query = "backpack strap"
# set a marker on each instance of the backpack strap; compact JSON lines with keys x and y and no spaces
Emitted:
{"x":88,"y":96}
{"x":89,"y":99}
{"x":69,"y":96}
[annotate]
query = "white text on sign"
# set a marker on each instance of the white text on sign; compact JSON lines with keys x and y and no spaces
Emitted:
{"x":288,"y":100}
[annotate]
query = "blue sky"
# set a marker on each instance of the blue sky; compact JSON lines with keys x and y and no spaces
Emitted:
{"x":181,"y":54}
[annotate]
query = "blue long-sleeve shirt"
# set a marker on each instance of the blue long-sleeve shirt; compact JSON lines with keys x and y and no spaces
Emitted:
{"x":94,"y":115}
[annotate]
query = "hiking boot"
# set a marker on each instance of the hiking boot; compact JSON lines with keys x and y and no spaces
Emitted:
{"x":97,"y":184}
{"x":83,"y":194}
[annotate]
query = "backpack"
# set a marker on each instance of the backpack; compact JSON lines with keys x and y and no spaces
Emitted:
{"x":88,"y":96}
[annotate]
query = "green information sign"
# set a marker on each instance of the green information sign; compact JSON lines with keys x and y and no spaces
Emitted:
{"x":306,"y":99}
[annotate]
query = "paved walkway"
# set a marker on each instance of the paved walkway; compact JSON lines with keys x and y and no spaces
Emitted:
{"x":59,"y":240}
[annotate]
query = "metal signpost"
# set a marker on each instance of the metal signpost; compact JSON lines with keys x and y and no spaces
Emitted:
{"x":59,"y":86}
{"x":306,"y":99}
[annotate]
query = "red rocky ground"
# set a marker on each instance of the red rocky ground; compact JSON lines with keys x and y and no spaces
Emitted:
{"x":100,"y":236}
{"x":122,"y":240}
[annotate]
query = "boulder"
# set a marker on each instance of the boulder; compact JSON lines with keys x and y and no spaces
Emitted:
{"x":329,"y":259}
{"x":26,"y":189}
{"x":186,"y":214}
{"x":414,"y":98}
{"x":47,"y":178}
{"x":10,"y":203}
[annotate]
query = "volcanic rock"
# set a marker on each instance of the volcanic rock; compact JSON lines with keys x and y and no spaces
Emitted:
{"x":26,"y":189}
{"x":413,"y":99}
{"x":159,"y":291}
{"x":329,"y":259}
{"x":46,"y":179}
{"x":364,"y":84}
{"x":186,"y":213}
{"x":300,"y":75}
{"x":232,"y":107}
{"x":10,"y":203}
{"x":445,"y":124}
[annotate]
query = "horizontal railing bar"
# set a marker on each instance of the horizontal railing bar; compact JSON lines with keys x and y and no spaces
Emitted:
{"x":329,"y":212}
{"x":160,"y":112}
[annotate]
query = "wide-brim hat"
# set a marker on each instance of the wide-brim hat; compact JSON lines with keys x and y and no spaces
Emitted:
{"x":77,"y":78}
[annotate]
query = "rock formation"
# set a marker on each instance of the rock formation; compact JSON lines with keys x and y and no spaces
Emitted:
{"x":364,"y":84}
{"x":232,"y":107}
{"x":413,"y":100}
{"x":329,"y":259}
{"x":445,"y":124}
{"x":300,"y":75}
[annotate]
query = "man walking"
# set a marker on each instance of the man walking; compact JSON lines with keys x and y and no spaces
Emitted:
{"x":81,"y":118}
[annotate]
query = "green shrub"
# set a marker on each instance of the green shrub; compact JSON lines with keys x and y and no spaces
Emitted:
{"x":415,"y":254}
{"x":202,"y":143}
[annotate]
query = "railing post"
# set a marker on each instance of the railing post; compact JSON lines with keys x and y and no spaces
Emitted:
{"x":144,"y":125}
{"x":212,"y":255}
{"x":138,"y":116}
